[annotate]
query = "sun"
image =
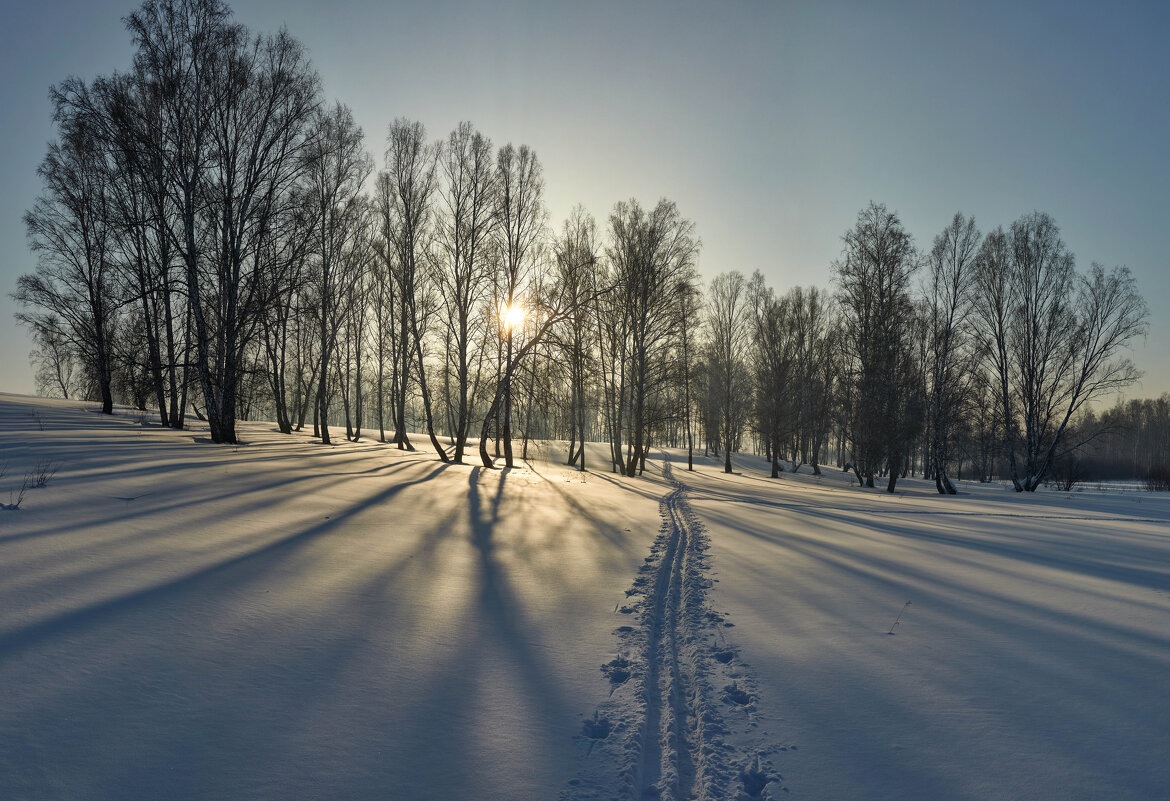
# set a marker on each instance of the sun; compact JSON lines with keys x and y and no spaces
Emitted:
{"x":513,"y":316}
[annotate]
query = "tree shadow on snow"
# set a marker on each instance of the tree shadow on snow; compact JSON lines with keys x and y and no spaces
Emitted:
{"x":250,"y":563}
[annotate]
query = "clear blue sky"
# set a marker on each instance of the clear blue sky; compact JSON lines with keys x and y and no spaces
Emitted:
{"x":770,"y":124}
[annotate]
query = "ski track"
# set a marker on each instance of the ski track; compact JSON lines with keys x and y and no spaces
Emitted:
{"x":677,"y":686}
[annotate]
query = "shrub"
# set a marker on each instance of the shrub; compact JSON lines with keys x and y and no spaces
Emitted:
{"x":1158,"y":479}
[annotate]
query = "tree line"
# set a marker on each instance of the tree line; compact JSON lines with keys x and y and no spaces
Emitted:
{"x":1129,"y":440}
{"x":213,"y":236}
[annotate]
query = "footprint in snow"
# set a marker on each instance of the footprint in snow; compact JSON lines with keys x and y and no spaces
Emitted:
{"x":733,"y":693}
{"x":597,"y":729}
{"x":617,"y":670}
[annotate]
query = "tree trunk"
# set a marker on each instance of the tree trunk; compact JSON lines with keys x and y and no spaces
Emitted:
{"x":426,"y":396}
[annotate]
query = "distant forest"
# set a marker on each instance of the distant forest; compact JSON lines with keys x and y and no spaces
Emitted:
{"x":214,"y":238}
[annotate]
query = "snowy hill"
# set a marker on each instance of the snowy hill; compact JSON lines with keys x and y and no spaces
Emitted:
{"x":283,"y":619}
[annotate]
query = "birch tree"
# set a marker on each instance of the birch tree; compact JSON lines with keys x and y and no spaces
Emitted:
{"x":411,"y":170}
{"x":873,"y":276}
{"x":70,"y":298}
{"x":520,"y":227}
{"x":1055,"y":338}
{"x":728,"y":331}
{"x":949,"y":294}
{"x":337,"y":166}
{"x":464,"y":237}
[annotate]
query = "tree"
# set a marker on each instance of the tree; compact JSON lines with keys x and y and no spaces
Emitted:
{"x":337,"y":166}
{"x":950,"y":300}
{"x":546,"y":313}
{"x":233,"y":110}
{"x":56,"y":373}
{"x":873,"y":276}
{"x":394,"y":312}
{"x":520,"y":223}
{"x":1053,"y":336}
{"x":650,"y":253}
{"x":464,"y":237}
{"x":70,"y":298}
{"x":577,"y":266}
{"x":177,"y":40}
{"x":411,"y":165}
{"x":144,"y":259}
{"x":286,"y":315}
{"x":815,"y":364}
{"x":774,"y":366}
{"x":728,"y":334}
{"x":689,"y":300}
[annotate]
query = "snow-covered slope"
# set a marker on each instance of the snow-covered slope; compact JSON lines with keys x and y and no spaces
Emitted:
{"x":1032,"y":663}
{"x":291,"y":621}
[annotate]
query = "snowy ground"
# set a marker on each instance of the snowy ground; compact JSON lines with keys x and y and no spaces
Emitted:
{"x":288,"y":620}
{"x":1032,"y":663}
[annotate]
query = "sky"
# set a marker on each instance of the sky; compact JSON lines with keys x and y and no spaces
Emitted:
{"x":769,"y":124}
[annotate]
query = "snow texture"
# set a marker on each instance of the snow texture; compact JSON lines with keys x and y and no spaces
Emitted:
{"x":1032,"y":663}
{"x":665,"y":724}
{"x":283,"y":619}
{"x":287,"y":620}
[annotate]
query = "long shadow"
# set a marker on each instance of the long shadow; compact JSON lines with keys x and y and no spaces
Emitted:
{"x":1066,"y":652}
{"x":128,"y":452}
{"x":283,"y":481}
{"x":330,"y":664}
{"x":900,"y":511}
{"x":446,"y":711}
{"x":1151,"y":578}
{"x":639,"y":489}
{"x":897,"y":575}
{"x":16,"y":641}
{"x":497,"y":600}
{"x":610,"y":533}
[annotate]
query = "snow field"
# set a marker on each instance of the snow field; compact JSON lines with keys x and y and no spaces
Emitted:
{"x":1032,"y":663}
{"x":675,"y":684}
{"x":288,"y":620}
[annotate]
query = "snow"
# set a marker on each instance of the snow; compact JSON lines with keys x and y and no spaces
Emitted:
{"x":1032,"y":662}
{"x":289,"y":620}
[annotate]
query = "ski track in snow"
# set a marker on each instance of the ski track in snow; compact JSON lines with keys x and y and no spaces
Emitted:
{"x":680,"y":724}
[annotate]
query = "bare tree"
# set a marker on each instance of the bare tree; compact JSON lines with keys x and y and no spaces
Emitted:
{"x":1053,"y":336}
{"x":873,"y":276}
{"x":56,"y":373}
{"x":689,"y":307}
{"x":383,"y":323}
{"x":337,"y":166}
{"x":650,"y":253}
{"x":774,"y":362}
{"x":520,"y":227}
{"x":411,"y":167}
{"x":177,"y":42}
{"x":232,"y":112}
{"x":728,"y":332}
{"x":394,"y":319}
{"x":143,"y":257}
{"x":577,"y":266}
{"x":949,"y":295}
{"x":814,"y":371}
{"x":469,"y":197}
{"x":547,"y":312}
{"x":285,"y":315}
{"x":70,"y":298}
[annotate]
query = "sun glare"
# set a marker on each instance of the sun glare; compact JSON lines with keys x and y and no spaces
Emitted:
{"x":513,"y":316}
